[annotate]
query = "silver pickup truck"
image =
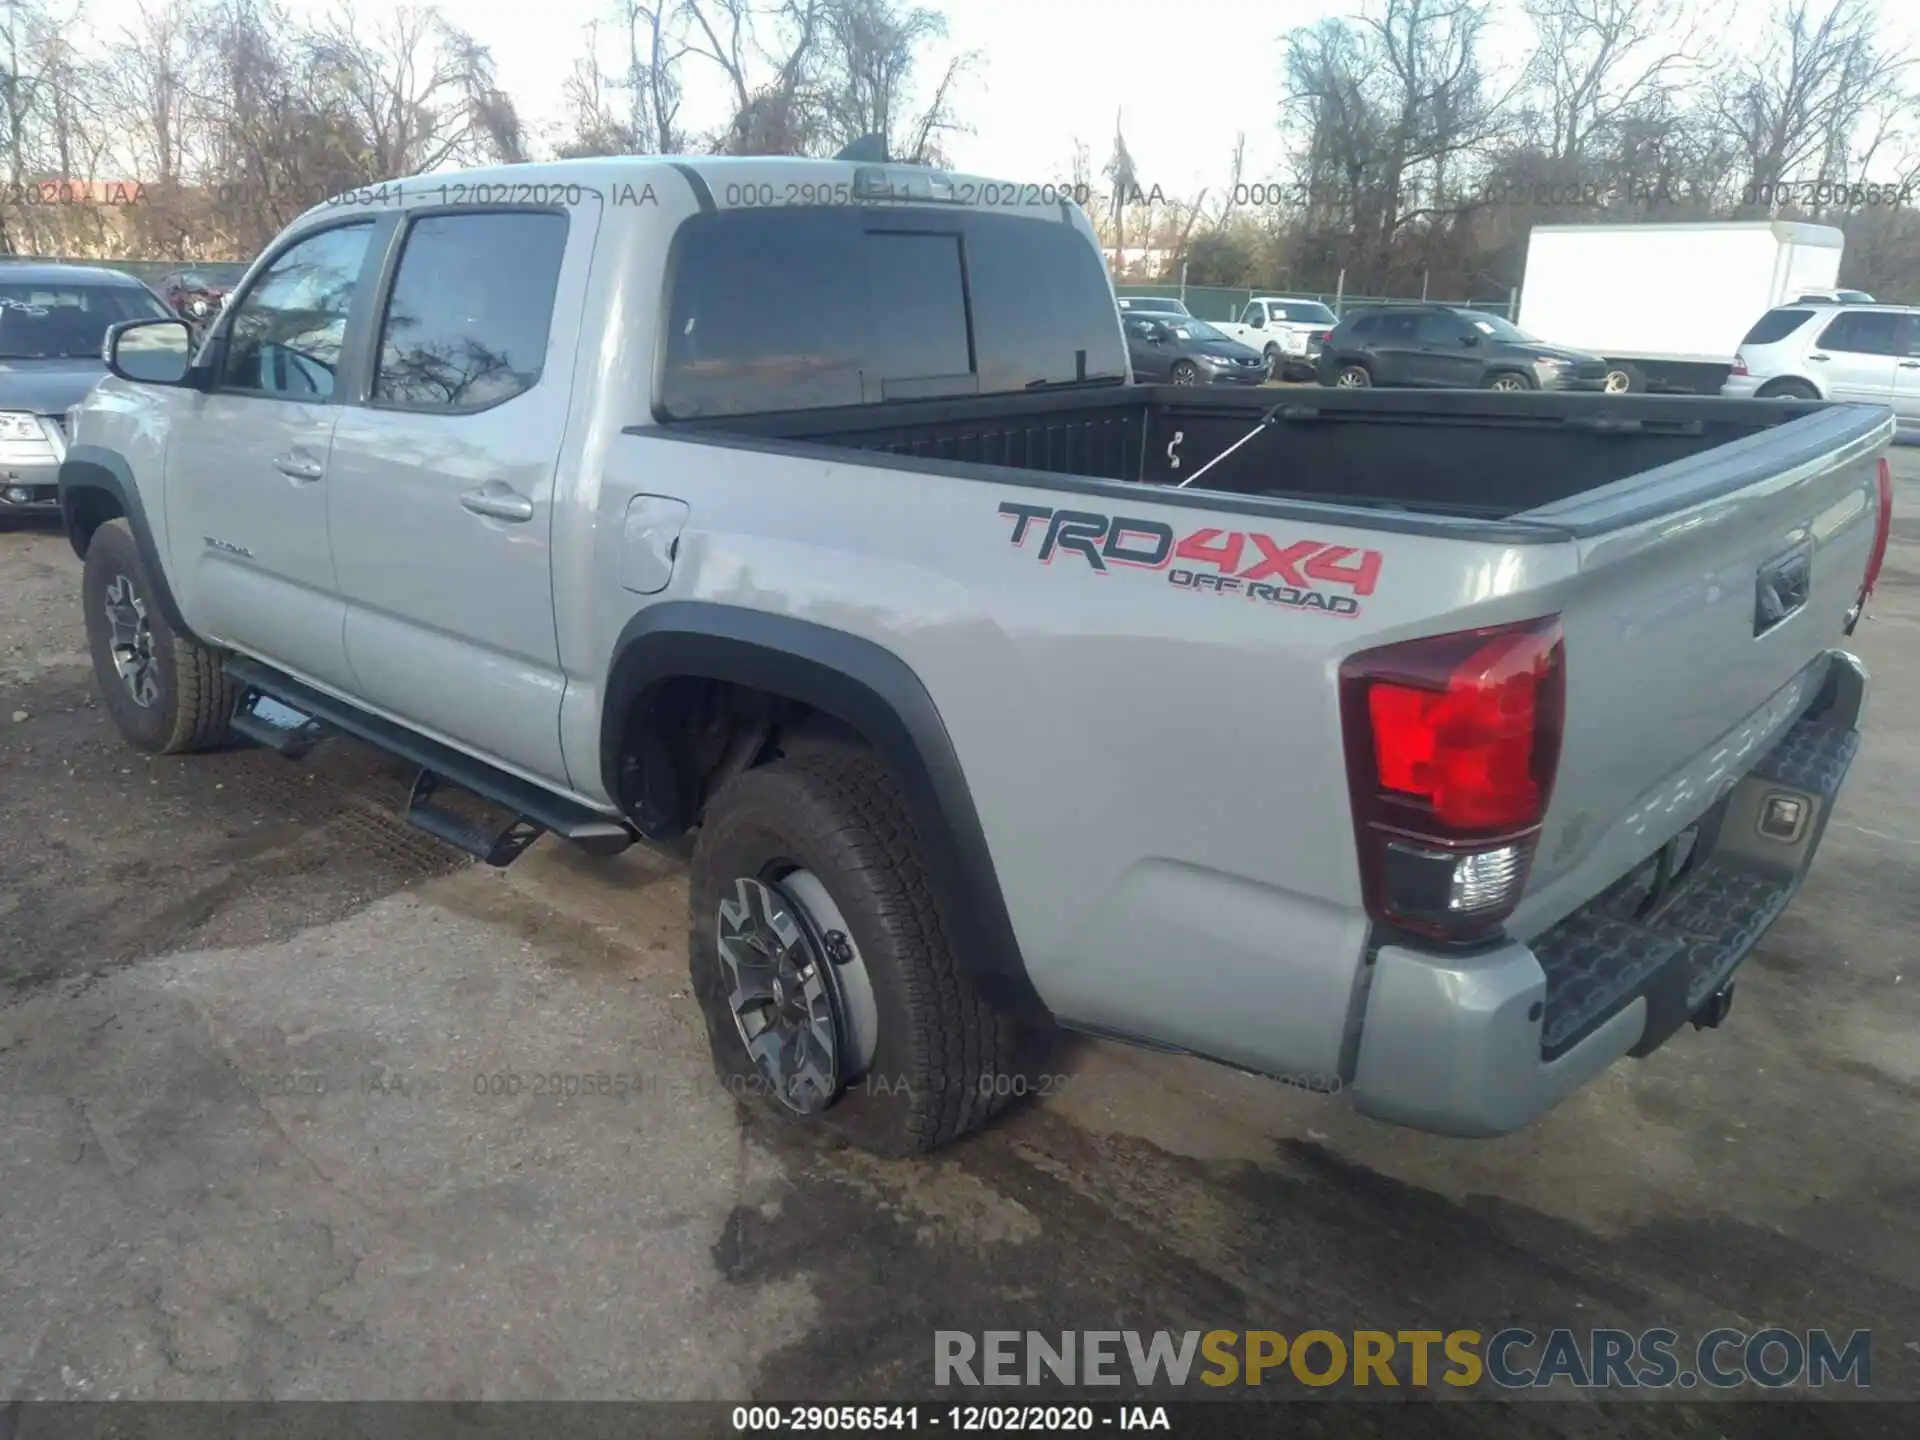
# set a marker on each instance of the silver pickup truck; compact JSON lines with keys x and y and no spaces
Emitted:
{"x":1438,"y":748}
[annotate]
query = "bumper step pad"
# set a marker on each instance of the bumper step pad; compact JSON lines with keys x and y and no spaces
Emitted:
{"x":1601,"y":957}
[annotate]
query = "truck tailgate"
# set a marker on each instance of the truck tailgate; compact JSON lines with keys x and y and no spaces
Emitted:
{"x":1707,"y":596}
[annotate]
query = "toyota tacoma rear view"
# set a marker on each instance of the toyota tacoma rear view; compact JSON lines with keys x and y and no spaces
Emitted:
{"x":1439,"y":747}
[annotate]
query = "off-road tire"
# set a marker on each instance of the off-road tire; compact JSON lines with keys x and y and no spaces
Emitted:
{"x":943,"y":1054}
{"x":195,"y":699}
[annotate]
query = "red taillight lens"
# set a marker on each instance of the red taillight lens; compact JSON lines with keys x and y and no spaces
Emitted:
{"x":1882,"y":530}
{"x":1452,"y":744}
{"x":1739,"y":365}
{"x":1325,"y":335}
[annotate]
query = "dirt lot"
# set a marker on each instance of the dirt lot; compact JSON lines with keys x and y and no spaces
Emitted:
{"x":273,"y":1120}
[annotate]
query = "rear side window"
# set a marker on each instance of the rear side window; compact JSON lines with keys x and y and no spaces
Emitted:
{"x":794,"y":309}
{"x":466,"y":323}
{"x":1866,"y":332}
{"x":1776,"y":325}
{"x":1395,"y":327}
{"x":1363,"y":328}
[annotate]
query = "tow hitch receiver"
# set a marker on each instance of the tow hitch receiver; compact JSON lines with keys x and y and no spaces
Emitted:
{"x":1715,"y":1008}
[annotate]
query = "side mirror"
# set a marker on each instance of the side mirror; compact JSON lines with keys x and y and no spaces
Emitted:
{"x":150,"y":352}
{"x":1470,"y":338}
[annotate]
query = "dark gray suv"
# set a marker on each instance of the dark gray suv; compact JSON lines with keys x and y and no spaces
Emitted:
{"x":1450,"y":347}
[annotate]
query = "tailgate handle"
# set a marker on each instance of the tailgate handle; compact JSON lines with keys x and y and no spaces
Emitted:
{"x":1782,"y":587}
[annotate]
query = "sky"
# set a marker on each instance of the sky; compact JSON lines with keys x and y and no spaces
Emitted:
{"x":1183,"y":79}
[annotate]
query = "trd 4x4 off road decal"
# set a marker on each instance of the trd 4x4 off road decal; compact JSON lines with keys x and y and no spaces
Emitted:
{"x":1300,"y":574}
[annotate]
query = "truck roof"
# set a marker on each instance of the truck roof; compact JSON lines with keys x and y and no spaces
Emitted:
{"x":707,"y":175}
{"x":1800,"y":233}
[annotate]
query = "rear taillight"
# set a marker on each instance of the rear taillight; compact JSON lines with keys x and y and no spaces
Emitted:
{"x":1739,"y":365}
{"x":1325,"y":335}
{"x":1452,"y":745}
{"x":1882,"y":530}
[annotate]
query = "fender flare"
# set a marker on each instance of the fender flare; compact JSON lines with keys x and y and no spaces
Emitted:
{"x":92,"y":471}
{"x":869,"y":688}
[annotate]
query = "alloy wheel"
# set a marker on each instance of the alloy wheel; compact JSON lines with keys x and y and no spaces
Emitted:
{"x":796,"y":988}
{"x":131,"y":642}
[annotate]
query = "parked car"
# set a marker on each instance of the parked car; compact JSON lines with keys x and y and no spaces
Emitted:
{"x":1868,"y":354}
{"x":1179,"y":350}
{"x":1445,"y":345}
{"x":1151,"y":304}
{"x":749,"y":523}
{"x":195,"y":295}
{"x":1286,"y":331}
{"x":53,"y":319}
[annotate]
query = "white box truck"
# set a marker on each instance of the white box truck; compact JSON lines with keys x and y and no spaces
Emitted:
{"x":1668,"y":305}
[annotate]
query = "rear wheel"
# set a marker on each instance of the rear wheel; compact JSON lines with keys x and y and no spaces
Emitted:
{"x":1186,"y":373}
{"x":167,"y":694}
{"x":1789,"y":390}
{"x":1353,"y":377}
{"x":821,"y":963}
{"x":1276,"y":363}
{"x":1509,"y":380}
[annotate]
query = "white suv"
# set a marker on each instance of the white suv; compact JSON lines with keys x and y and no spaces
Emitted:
{"x":1864,"y":353}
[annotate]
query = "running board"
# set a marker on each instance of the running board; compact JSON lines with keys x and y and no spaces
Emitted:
{"x":290,"y":718}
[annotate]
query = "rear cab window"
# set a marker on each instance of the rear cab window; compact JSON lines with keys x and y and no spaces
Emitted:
{"x":807,"y":308}
{"x":472,"y":302}
{"x":1775,"y":326}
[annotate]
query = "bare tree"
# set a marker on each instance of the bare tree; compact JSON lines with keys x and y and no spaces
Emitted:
{"x":1791,"y":107}
{"x":778,"y":114}
{"x":870,"y":51}
{"x":1125,"y":179}
{"x":420,"y":89}
{"x":1392,"y":105}
{"x":1597,"y":62}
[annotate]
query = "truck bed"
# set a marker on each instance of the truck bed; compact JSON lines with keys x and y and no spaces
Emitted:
{"x":1452,"y":453}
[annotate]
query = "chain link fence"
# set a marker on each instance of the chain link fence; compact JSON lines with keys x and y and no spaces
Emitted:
{"x":1220,"y":302}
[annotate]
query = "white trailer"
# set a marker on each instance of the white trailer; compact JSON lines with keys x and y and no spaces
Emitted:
{"x":1668,"y":304}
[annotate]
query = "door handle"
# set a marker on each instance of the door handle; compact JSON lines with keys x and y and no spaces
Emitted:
{"x":1910,"y":364}
{"x":295,"y":467}
{"x":1818,"y":357}
{"x":498,"y":501}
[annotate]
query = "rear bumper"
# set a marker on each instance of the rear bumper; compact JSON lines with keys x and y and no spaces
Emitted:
{"x":1480,"y":1044}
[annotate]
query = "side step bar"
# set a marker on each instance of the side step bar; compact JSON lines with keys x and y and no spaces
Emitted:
{"x":290,"y":718}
